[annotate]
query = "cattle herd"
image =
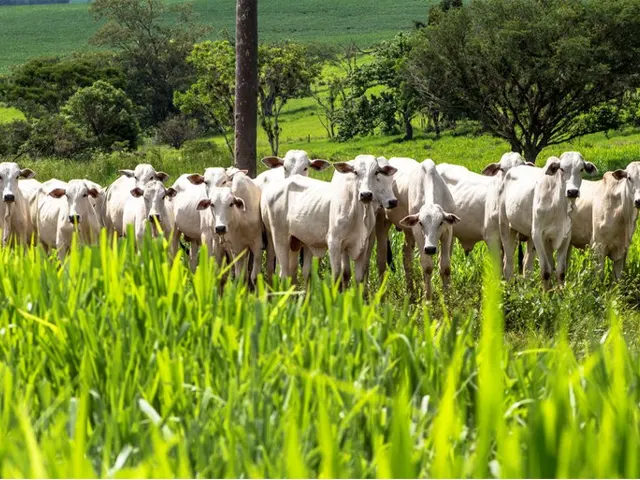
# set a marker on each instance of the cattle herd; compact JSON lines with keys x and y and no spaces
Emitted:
{"x":288,"y":214}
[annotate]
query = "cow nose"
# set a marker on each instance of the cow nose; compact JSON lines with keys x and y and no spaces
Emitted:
{"x":366,"y":196}
{"x":154,"y":216}
{"x":74,"y":218}
{"x":393,"y":203}
{"x":221,"y":229}
{"x":637,"y":202}
{"x":573,"y":193}
{"x":9,"y":197}
{"x":430,"y":250}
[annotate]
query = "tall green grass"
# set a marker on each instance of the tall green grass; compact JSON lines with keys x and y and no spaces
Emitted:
{"x":120,"y":363}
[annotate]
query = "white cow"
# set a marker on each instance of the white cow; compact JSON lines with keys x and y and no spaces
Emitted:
{"x":606,"y":214}
{"x":429,"y":208}
{"x":149,"y":206}
{"x":61,"y":209}
{"x":231,"y":224}
{"x":190,"y":189}
{"x":118,"y":193}
{"x":100,"y":202}
{"x":295,"y":162}
{"x":338,"y":216}
{"x":538,"y":203}
{"x":477,"y":200}
{"x":14,"y":208}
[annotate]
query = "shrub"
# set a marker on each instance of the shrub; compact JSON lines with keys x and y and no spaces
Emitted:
{"x":56,"y":136}
{"x":106,"y":113}
{"x":13,"y":135}
{"x":176,"y":130}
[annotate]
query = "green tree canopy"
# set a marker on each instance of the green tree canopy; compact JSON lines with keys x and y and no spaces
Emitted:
{"x":528,"y":69}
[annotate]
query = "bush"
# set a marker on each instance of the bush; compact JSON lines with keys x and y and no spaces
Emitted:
{"x":106,"y":113}
{"x":176,"y":130}
{"x":13,"y":135}
{"x":56,"y":136}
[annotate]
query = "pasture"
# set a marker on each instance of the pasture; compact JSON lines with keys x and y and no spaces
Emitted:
{"x":52,"y":30}
{"x":120,"y":363}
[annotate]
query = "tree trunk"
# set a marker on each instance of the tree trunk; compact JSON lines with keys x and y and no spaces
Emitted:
{"x":435,"y":118}
{"x":408,"y":128}
{"x":531,"y":152}
{"x":246,"y":108}
{"x":515,"y":145}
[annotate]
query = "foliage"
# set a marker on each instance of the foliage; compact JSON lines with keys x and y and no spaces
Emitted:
{"x":56,"y":136}
{"x":176,"y":130}
{"x":106,"y":113}
{"x":124,"y":364}
{"x":286,"y":71}
{"x":153,"y":39}
{"x":43,"y":85}
{"x":527,"y":69}
{"x":13,"y":135}
{"x":211,"y":97}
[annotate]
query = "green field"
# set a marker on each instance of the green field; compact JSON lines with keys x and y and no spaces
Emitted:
{"x":43,"y":30}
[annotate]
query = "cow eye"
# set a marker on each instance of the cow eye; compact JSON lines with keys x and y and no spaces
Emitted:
{"x":231,"y":204}
{"x":85,"y":195}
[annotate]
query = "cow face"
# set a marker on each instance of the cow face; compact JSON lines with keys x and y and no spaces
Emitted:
{"x":222,"y":203}
{"x":431,"y":220}
{"x":365,"y":169}
{"x":154,"y":194}
{"x":78,"y":195}
{"x":9,"y":174}
{"x":383,"y":186}
{"x":295,"y":162}
{"x":507,"y":162}
{"x":143,"y":174}
{"x":572,"y":164}
{"x":633,"y":177}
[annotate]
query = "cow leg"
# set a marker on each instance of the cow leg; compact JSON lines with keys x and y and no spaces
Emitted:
{"x":426,"y":262}
{"x":545,"y":252}
{"x":508,"y":237}
{"x":382,"y":237}
{"x":446,"y":243}
{"x":618,"y":266}
{"x":362,"y":265}
{"x":256,"y":249}
{"x":563,"y":259}
{"x":407,"y":257}
{"x":307,"y":263}
{"x":529,"y":257}
{"x":271,"y":257}
{"x":335,"y":258}
{"x":193,"y":254}
{"x":346,"y":270}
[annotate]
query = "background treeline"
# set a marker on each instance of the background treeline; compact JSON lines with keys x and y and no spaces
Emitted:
{"x":535,"y":73}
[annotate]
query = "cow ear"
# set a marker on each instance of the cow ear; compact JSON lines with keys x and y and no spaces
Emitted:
{"x":343,"y":167}
{"x":319,"y":165}
{"x":491,"y":170}
{"x":272,"y":162}
{"x":203,"y":204}
{"x":57,"y":192}
{"x":552,"y":166}
{"x":196,"y":179}
{"x":238,"y":202}
{"x":245,"y":172}
{"x":93,"y":192}
{"x":27,"y":173}
{"x":388,"y":170}
{"x":171,"y":192}
{"x":126,"y":173}
{"x":162,"y":176}
{"x":409,"y":221}
{"x":619,"y":174}
{"x":590,"y":168}
{"x":137,"y":192}
{"x":529,"y":164}
{"x":451,"y":218}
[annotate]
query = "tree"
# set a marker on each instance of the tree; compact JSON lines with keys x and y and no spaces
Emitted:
{"x":246,"y":101}
{"x":211,"y":99}
{"x":177,"y":130}
{"x":527,"y":69}
{"x":43,"y":85}
{"x":153,"y":39}
{"x":286,"y":71}
{"x":106,"y":113}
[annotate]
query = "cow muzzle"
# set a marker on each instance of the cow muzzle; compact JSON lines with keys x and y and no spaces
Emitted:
{"x":74,"y":219}
{"x":154,"y":217}
{"x":221,"y":229}
{"x":366,"y":197}
{"x":636,"y":202}
{"x":392,"y":203}
{"x":573,"y":193}
{"x":430,"y":250}
{"x":9,"y":197}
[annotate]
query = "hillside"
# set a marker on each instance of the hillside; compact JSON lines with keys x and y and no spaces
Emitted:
{"x":29,"y":31}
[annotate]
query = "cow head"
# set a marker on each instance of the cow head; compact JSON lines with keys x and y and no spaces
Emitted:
{"x":571,"y":164}
{"x":222,"y":203}
{"x":365,"y":169}
{"x":9,"y":174}
{"x":154,"y":194}
{"x":143,"y":174}
{"x":78,"y":195}
{"x":431,"y":220}
{"x":507,"y":162}
{"x":295,"y":162}
{"x":632,"y":175}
